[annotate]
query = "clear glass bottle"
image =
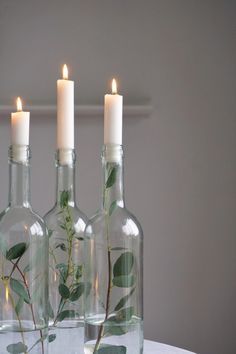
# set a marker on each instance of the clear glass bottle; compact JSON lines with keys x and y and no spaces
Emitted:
{"x":66,"y":224}
{"x":113,"y":269}
{"x":23,"y":265}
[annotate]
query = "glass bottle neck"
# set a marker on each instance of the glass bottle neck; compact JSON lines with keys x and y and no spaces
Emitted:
{"x":19,"y":176}
{"x":113,"y":190}
{"x":65,"y":166}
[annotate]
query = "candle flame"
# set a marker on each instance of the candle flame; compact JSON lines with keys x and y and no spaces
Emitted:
{"x":65,"y":72}
{"x":114,"y":86}
{"x":19,"y":104}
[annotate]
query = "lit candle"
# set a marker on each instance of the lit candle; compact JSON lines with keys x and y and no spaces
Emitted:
{"x":65,"y":111}
{"x":20,"y":125}
{"x":113,"y":116}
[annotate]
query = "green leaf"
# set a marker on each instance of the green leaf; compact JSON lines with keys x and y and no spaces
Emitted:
{"x":124,"y":300}
{"x":79,"y":271}
{"x":125,"y":314}
{"x":64,"y":291}
{"x":62,"y":227}
{"x":63,"y":271}
{"x":66,"y":314}
{"x":112,"y":177}
{"x":19,"y":289}
{"x":115,"y":330}
{"x":118,"y":248}
{"x":80,"y":238}
{"x":50,"y":310}
{"x":17,"y":348}
{"x":51,"y":337}
{"x":113,"y":206}
{"x":124,"y":281}
{"x":124,"y":264}
{"x":62,"y":246}
{"x":77,"y":292}
{"x":16,"y":251}
{"x":111,"y":349}
{"x":3,"y":245}
{"x":64,"y":199}
{"x":19,"y":305}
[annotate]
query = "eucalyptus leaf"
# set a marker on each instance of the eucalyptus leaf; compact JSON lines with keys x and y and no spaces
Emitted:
{"x":111,"y":349}
{"x":124,"y":281}
{"x":17,"y":348}
{"x":19,"y":305}
{"x":113,"y":206}
{"x":63,"y":271}
{"x":62,"y":246}
{"x":16,"y":251}
{"x":51,"y":337}
{"x":77,"y":292}
{"x":64,"y":199}
{"x":19,"y":289}
{"x":125,"y":314}
{"x":78,"y":272}
{"x":115,"y":330}
{"x":79,"y":238}
{"x":64,"y":291}
{"x":124,"y":264}
{"x":112,"y":177}
{"x":124,"y":300}
{"x":118,"y":248}
{"x":66,"y":314}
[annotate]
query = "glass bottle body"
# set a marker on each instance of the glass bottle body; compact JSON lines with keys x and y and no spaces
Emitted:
{"x":113,"y":270}
{"x":66,"y":224}
{"x":23,"y":267}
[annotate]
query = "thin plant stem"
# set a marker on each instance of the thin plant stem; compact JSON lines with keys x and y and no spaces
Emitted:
{"x":70,"y":241}
{"x":31,"y":306}
{"x":18,"y":318}
{"x":109,"y":285}
{"x":70,"y":238}
{"x":6,"y":286}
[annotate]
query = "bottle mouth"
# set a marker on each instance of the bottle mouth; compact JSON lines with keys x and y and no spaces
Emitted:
{"x":65,"y":157}
{"x":112,"y":153}
{"x":19,"y":154}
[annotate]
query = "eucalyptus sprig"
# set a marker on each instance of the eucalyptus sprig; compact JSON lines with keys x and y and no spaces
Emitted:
{"x":70,"y":287}
{"x":20,"y":288}
{"x":120,"y":274}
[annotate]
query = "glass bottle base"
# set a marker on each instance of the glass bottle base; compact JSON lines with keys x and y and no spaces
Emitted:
{"x":126,"y":338}
{"x":69,"y":338}
{"x":27,"y":340}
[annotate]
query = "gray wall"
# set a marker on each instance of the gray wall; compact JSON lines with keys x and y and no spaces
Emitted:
{"x":180,"y":161}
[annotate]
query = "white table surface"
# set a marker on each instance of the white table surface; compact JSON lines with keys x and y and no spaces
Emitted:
{"x":158,"y":348}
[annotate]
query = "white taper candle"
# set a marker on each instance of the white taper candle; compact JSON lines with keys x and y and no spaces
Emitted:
{"x":65,"y":112}
{"x":113,"y":107}
{"x":20,"y":125}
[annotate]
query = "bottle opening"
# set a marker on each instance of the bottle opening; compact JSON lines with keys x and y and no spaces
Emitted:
{"x":112,"y":153}
{"x":19,"y":153}
{"x":65,"y":157}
